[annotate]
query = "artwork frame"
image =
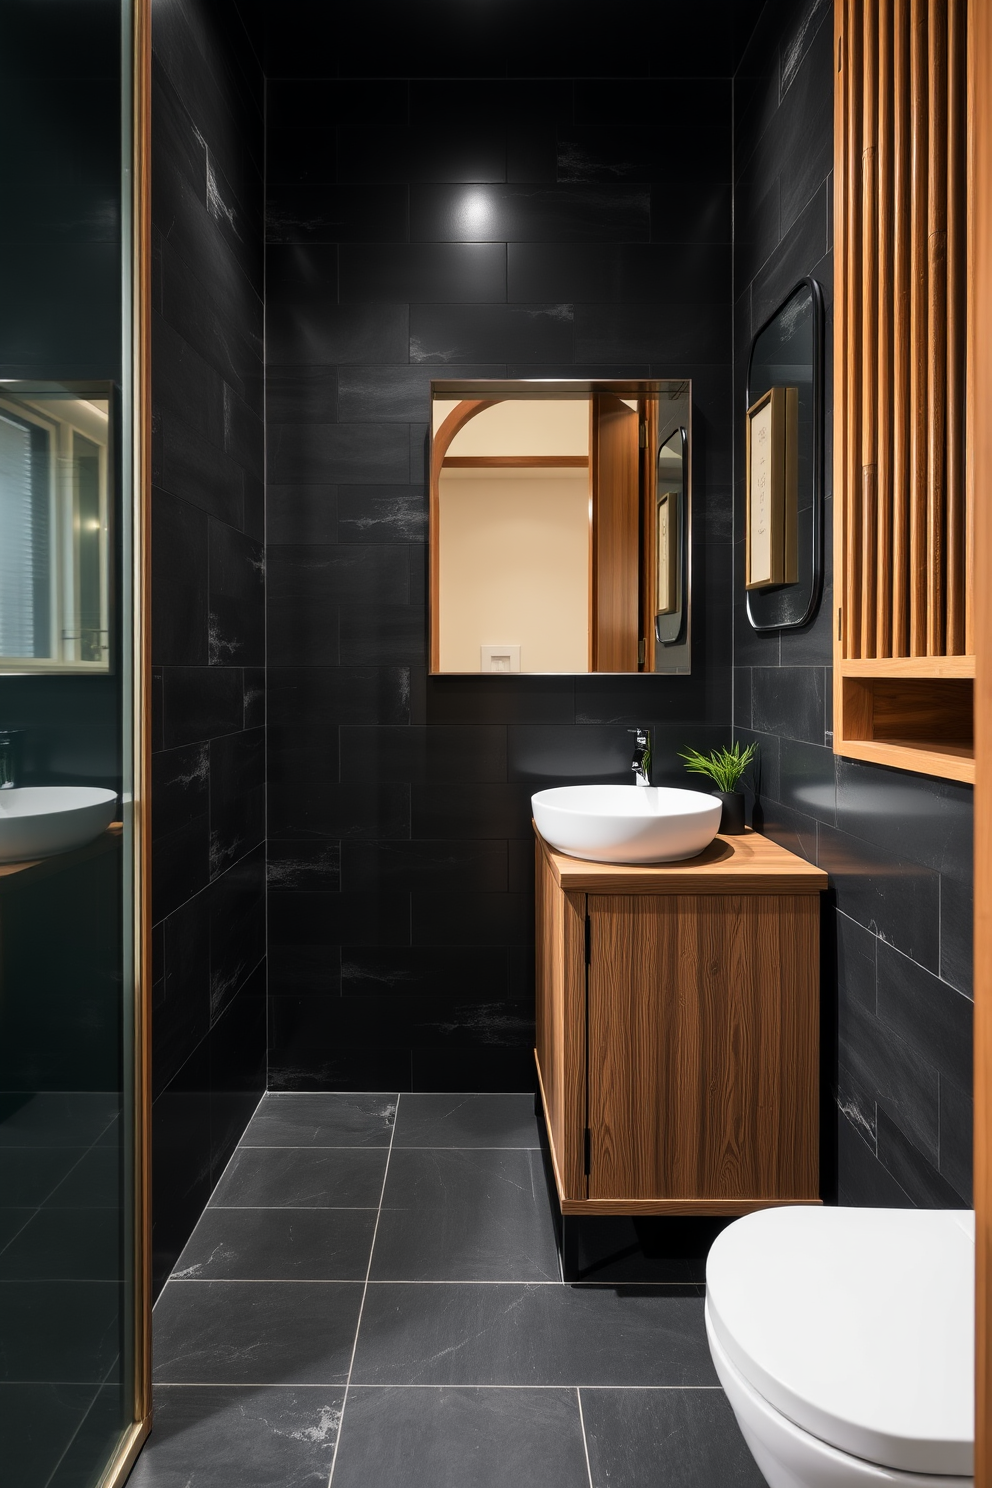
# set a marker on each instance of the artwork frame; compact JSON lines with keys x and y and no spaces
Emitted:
{"x":771,"y":463}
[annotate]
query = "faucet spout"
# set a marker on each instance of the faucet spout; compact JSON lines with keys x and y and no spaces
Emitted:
{"x":641,"y":762}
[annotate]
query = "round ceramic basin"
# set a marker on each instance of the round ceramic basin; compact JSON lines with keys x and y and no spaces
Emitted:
{"x":37,"y":821}
{"x":627,"y":823}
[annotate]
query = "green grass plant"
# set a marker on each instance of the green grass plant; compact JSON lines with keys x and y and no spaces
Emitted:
{"x":724,"y":766}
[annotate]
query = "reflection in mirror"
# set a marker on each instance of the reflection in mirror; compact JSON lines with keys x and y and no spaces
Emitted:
{"x":671,"y":551}
{"x":786,"y":362}
{"x":55,"y":461}
{"x":545,"y":523}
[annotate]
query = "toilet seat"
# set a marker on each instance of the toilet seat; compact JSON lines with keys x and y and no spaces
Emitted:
{"x":857,"y":1325}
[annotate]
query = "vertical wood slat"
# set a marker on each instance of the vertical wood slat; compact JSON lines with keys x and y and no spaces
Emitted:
{"x":919,"y":101}
{"x":883,"y":455}
{"x":852,"y":316}
{"x":901,"y":217}
{"x":900,"y":328}
{"x":937,"y":338}
{"x":869,"y":325}
{"x":956,"y":331}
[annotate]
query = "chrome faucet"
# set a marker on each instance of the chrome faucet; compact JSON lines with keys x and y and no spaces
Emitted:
{"x":641,"y":763}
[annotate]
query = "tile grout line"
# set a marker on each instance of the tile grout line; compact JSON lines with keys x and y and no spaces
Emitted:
{"x":585,"y":1441}
{"x":395,"y":1385}
{"x":361,"y":1306}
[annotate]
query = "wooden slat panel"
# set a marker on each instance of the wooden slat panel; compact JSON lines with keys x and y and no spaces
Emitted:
{"x":869,"y":328}
{"x":901,"y":173}
{"x":918,"y":258}
{"x":883,"y":602}
{"x":956,"y":230}
{"x":936,"y":326}
{"x":852,"y":317}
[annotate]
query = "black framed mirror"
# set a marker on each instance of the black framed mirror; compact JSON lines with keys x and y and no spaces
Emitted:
{"x":787,"y":355}
{"x":671,"y":544}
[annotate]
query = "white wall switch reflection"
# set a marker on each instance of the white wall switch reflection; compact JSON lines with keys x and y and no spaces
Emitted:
{"x":500,"y":659}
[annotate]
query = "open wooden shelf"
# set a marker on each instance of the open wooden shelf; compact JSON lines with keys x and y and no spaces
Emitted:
{"x":907,"y":720}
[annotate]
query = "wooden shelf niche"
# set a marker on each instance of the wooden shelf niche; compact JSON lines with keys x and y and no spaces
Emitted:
{"x":903,"y":643}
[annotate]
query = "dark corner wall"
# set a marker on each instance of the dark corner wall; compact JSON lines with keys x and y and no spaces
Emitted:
{"x":897,"y":925}
{"x":208,"y":624}
{"x":541,"y":199}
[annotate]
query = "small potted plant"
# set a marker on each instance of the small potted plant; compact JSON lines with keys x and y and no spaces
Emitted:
{"x":725,"y":767}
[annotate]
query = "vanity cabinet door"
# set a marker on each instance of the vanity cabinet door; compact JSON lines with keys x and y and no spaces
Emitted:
{"x":702,"y":1040}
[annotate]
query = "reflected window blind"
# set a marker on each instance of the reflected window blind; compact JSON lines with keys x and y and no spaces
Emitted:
{"x":23,"y":540}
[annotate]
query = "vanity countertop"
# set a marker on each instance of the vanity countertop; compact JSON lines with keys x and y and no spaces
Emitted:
{"x":751,"y":864}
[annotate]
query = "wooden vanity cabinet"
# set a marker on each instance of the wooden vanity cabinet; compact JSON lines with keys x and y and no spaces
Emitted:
{"x":678,"y":1030}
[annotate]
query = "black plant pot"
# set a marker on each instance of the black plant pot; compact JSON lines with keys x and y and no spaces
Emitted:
{"x":732,"y":821}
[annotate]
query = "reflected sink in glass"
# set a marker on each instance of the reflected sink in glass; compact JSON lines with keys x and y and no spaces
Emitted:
{"x":37,"y":821}
{"x":627,"y":823}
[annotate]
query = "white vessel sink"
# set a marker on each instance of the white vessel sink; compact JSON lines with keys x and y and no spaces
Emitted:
{"x":627,"y":823}
{"x":37,"y":821}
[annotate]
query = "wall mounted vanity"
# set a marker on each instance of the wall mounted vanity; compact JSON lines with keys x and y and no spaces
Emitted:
{"x":678,"y":1031}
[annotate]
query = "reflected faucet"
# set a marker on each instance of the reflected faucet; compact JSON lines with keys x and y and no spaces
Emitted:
{"x":641,"y":763}
{"x":9,"y":739}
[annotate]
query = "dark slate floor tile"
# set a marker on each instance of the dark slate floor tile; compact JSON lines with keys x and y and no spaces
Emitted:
{"x":255,"y":1333}
{"x":54,"y":1330}
{"x":450,"y":1438}
{"x":52,"y":1119}
{"x":466,"y":1120}
{"x":321,"y":1120}
{"x":37,"y":1422}
{"x":681,"y":1438}
{"x":298,"y":1178}
{"x":465,"y":1216}
{"x":29,"y":1174}
{"x":66,"y":1245}
{"x":240,"y":1438}
{"x":531,"y":1335}
{"x":278,"y":1245}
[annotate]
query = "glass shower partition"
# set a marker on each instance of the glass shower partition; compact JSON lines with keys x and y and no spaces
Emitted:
{"x":73,"y":718}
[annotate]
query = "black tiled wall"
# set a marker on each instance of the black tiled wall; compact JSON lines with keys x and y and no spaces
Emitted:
{"x":897,"y":925}
{"x":208,"y":622}
{"x":423,"y":227}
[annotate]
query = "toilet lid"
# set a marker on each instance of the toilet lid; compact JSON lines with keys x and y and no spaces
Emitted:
{"x":856,"y":1324}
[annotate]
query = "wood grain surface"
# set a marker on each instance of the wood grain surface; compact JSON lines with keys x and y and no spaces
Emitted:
{"x":750,"y":863}
{"x":616,"y":534}
{"x":703,"y":1023}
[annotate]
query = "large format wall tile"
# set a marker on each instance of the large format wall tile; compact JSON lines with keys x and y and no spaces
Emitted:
{"x":208,"y":624}
{"x":540,"y":241}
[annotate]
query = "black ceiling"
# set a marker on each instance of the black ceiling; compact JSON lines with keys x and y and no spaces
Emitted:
{"x":500,"y":38}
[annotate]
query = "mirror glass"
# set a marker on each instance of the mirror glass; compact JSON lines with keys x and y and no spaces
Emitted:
{"x":560,"y":527}
{"x":787,"y":354}
{"x":55,"y":462}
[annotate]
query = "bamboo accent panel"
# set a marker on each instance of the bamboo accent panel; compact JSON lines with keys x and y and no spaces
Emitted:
{"x":900,"y":244}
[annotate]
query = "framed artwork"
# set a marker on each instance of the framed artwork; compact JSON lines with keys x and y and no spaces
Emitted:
{"x":667,"y":549}
{"x":772,"y":463}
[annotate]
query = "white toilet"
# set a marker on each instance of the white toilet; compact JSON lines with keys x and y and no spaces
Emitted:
{"x":844,"y":1339}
